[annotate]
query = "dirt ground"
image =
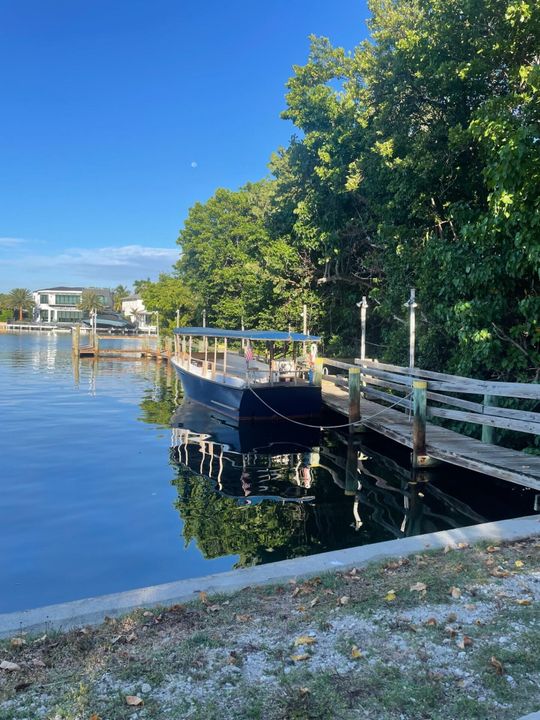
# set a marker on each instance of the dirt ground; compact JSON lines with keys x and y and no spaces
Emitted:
{"x":446,"y":635}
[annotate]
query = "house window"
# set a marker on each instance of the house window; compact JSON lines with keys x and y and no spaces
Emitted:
{"x":68,"y":316}
{"x":44,"y":315}
{"x":68,"y":299}
{"x":43,"y":299}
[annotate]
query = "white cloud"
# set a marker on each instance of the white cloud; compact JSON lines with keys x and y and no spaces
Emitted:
{"x":129,"y":256}
{"x":9,"y":242}
{"x":84,"y":266}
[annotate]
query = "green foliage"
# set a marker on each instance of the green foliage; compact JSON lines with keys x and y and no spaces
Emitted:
{"x":119,"y":293}
{"x":21,"y":300}
{"x":242,"y":272}
{"x":169,"y":296}
{"x":91,"y":301}
{"x":6,"y":311}
{"x":425,"y":158}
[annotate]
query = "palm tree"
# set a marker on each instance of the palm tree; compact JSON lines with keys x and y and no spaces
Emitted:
{"x":20,"y":299}
{"x":91,"y":301}
{"x":119,"y":293}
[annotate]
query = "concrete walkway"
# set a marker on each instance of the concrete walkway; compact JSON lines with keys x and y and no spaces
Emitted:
{"x":94,"y":610}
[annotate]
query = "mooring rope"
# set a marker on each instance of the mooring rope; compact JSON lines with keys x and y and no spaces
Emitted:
{"x":329,"y":427}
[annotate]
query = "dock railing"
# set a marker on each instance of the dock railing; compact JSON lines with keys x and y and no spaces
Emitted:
{"x":404,"y":387}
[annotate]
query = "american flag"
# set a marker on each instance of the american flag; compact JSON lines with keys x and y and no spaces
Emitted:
{"x":248,"y":353}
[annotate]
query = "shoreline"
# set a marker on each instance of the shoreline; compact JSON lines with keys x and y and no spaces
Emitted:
{"x":92,"y":611}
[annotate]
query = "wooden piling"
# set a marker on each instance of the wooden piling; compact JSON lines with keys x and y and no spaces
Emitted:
{"x":419,"y":422}
{"x":318,"y":372}
{"x":76,"y":340}
{"x":355,"y":386}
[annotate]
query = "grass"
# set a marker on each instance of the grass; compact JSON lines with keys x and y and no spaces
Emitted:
{"x":420,"y":653}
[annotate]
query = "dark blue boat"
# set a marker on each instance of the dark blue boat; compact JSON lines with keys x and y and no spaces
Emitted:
{"x":239,"y":385}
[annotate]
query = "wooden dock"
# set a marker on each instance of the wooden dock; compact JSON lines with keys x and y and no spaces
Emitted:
{"x":398,"y":402}
{"x":162,"y":351}
{"x":441,"y":444}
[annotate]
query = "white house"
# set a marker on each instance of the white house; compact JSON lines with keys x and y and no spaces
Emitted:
{"x":61,"y":304}
{"x":133,"y":309}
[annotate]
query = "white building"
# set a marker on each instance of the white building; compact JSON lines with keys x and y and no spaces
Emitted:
{"x":133,"y":309}
{"x":61,"y":304}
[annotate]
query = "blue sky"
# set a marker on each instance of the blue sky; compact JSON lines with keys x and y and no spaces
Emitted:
{"x":118,"y":115}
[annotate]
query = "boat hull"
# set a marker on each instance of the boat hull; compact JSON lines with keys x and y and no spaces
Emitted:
{"x":264,"y":402}
{"x":271,"y":437}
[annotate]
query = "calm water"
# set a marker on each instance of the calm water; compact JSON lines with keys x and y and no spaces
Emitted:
{"x":100,"y":494}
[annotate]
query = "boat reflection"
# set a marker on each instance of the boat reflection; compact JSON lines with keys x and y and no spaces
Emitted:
{"x":251,"y":463}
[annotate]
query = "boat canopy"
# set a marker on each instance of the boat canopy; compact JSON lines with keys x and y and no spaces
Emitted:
{"x":267,"y":335}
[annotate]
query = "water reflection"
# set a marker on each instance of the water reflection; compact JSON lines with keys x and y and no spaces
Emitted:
{"x":251,"y":463}
{"x":237,"y":488}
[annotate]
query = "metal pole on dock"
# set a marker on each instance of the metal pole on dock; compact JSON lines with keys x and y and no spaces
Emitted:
{"x":355,"y":385}
{"x":363,"y":313}
{"x":412,"y":326}
{"x":304,"y":326}
{"x":419,"y":422}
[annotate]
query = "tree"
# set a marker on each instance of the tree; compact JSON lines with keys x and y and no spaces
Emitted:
{"x":168,"y":296}
{"x":21,"y":299}
{"x":418,"y":166}
{"x":241,"y":270}
{"x":139,"y":284}
{"x":91,"y":301}
{"x":119,"y":294}
{"x":222,"y":243}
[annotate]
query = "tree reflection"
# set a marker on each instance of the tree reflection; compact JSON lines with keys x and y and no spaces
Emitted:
{"x":159,"y":401}
{"x":257,"y":533}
